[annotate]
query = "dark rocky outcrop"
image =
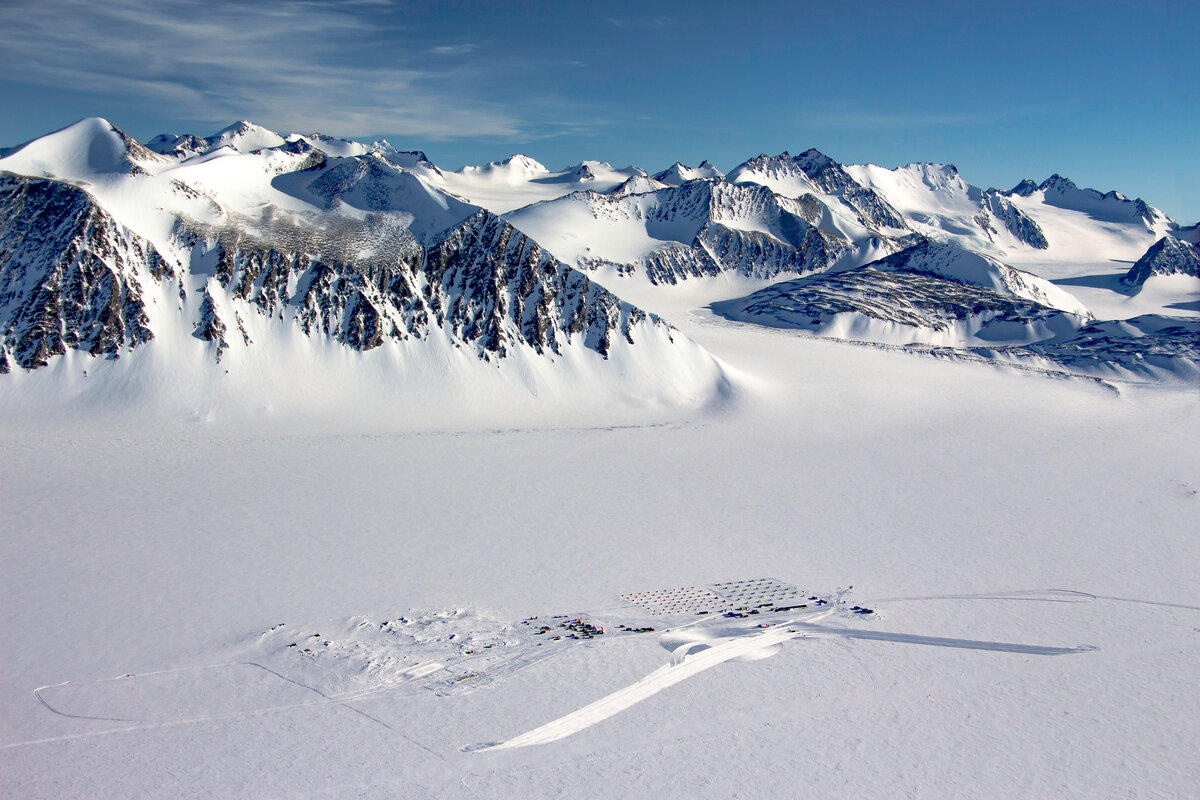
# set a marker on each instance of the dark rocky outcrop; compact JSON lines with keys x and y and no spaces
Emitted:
{"x":70,"y":275}
{"x":1017,"y":222}
{"x":484,"y":284}
{"x":1167,"y":256}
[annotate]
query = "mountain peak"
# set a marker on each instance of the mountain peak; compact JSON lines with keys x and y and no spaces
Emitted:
{"x":1057,"y":183}
{"x":85,"y":147}
{"x":1023,"y":189}
{"x":678,"y":174}
{"x":245,"y":137}
{"x":637,"y":184}
{"x":584,"y":173}
{"x":1167,"y":256}
{"x":813,"y":161}
{"x":524,"y":162}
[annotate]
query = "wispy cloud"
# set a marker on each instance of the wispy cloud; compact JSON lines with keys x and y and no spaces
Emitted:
{"x":454,"y":49}
{"x":296,"y":65}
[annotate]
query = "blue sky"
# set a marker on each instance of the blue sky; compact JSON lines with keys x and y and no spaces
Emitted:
{"x":1104,"y":93}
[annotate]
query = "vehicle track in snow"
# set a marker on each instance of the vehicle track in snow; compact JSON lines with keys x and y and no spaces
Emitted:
{"x":685,"y":663}
{"x":696,"y":645}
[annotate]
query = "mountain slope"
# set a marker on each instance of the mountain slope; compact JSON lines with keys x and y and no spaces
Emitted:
{"x":939,"y":298}
{"x":1167,"y":256}
{"x":931,"y":293}
{"x":677,"y":174}
{"x":70,"y":275}
{"x":234,"y":257}
{"x":700,"y":228}
{"x":855,"y":211}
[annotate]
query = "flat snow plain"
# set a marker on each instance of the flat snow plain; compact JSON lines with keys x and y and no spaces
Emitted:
{"x":168,"y":552}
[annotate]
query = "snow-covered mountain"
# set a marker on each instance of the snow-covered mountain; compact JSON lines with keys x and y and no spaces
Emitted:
{"x":245,"y":240}
{"x":699,"y":228}
{"x":677,"y":173}
{"x":931,"y":292}
{"x":940,"y":295}
{"x":257,"y":242}
{"x":855,"y":210}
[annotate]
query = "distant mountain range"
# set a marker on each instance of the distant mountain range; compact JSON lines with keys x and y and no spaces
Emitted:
{"x":249,"y":239}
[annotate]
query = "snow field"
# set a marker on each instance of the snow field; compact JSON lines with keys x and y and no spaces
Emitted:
{"x":165,"y":545}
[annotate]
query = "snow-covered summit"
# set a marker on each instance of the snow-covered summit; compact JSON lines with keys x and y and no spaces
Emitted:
{"x":514,"y":169}
{"x":781,"y":174}
{"x":677,"y":173}
{"x":242,"y":136}
{"x":857,"y":210}
{"x":638,"y":184}
{"x":245,"y":137}
{"x":1189,"y":234}
{"x":87,"y":148}
{"x":518,"y":181}
{"x":1111,"y":206}
{"x":697,"y":229}
{"x":930,"y":294}
{"x":813,"y":162}
{"x":600,"y":171}
{"x":178,"y":146}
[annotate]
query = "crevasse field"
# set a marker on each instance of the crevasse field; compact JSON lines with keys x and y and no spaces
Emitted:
{"x":1028,"y":546}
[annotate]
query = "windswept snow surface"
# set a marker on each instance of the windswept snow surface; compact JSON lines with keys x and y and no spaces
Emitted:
{"x":171,"y":550}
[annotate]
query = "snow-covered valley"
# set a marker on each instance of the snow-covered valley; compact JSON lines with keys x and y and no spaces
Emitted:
{"x":1022,"y":528}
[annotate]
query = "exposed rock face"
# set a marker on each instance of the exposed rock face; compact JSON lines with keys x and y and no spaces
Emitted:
{"x":718,"y":227}
{"x":934,"y":300}
{"x":209,"y":327}
{"x":70,"y":275}
{"x":911,"y":299}
{"x":1167,"y":256}
{"x":1014,"y":220}
{"x":1109,"y":206}
{"x":489,"y":283}
{"x":832,"y":177}
{"x":1147,"y":346}
{"x":718,"y":249}
{"x":484,"y":284}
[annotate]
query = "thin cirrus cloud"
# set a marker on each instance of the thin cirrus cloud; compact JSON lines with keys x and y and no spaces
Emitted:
{"x":454,"y":49}
{"x":296,"y":65}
